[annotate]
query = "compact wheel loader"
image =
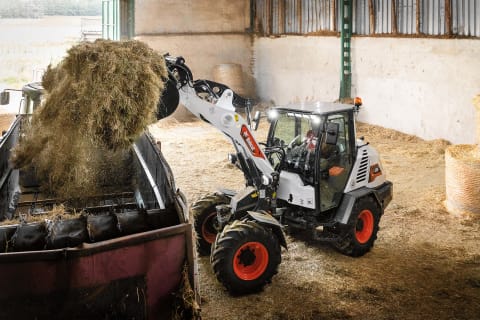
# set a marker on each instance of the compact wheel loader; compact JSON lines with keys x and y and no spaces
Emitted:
{"x":312,"y":174}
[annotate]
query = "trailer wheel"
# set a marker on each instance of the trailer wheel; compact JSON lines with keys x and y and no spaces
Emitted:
{"x":360,"y":233}
{"x":204,"y":217}
{"x":245,"y":257}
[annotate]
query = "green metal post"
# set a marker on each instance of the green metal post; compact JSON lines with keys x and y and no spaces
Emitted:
{"x":346,"y":12}
{"x":131,"y":19}
{"x":111,"y":19}
{"x":116,"y":20}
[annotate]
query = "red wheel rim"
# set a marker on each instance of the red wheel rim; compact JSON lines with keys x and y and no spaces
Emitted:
{"x":250,"y":261}
{"x":364,"y":227}
{"x":208,"y":232}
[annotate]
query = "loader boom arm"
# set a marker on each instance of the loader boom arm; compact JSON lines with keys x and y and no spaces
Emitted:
{"x":216,"y":106}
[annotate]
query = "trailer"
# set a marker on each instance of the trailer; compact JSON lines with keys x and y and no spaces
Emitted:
{"x":128,"y":255}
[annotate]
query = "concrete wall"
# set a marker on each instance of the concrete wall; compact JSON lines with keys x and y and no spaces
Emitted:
{"x":292,"y":68}
{"x":423,"y":87}
{"x":205,"y":32}
{"x":203,"y":52}
{"x":191,"y":16}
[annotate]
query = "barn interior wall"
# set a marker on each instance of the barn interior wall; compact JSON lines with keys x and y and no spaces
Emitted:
{"x":205,"y":32}
{"x":419,"y":86}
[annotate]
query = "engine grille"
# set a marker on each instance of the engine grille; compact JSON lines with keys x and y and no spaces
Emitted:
{"x":363,"y":168}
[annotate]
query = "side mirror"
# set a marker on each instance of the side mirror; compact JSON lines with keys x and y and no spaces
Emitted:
{"x":332,"y":133}
{"x":256,"y":120}
{"x":4,"y":98}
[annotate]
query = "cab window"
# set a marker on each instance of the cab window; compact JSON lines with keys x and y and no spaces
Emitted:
{"x":290,"y":128}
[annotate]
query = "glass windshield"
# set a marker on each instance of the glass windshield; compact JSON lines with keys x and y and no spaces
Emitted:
{"x":292,"y":128}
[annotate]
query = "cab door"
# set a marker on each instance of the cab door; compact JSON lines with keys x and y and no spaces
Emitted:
{"x":335,"y":155}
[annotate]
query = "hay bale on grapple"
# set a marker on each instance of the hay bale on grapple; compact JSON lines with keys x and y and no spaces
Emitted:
{"x":99,"y":99}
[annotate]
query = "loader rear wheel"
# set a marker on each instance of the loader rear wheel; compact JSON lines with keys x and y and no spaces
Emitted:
{"x":245,"y":257}
{"x":204,"y":216}
{"x":360,"y":233}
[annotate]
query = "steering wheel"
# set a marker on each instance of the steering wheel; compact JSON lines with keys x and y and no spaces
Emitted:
{"x":296,"y":141}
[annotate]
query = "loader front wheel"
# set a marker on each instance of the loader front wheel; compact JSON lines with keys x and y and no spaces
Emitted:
{"x":359,"y":235}
{"x":204,"y":215}
{"x":245,"y":257}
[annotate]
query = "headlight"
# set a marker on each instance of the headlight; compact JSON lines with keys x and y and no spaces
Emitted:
{"x":265,"y":180}
{"x":272,"y":114}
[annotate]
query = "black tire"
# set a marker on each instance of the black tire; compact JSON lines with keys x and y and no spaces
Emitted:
{"x":204,"y":217}
{"x":359,"y":235}
{"x":245,"y":257}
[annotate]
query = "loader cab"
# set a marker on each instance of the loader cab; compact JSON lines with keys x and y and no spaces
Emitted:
{"x":31,"y":97}
{"x":317,"y":142}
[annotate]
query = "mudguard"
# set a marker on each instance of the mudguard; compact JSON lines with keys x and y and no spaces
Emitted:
{"x":266,"y":219}
{"x":244,"y":200}
{"x":382,"y":195}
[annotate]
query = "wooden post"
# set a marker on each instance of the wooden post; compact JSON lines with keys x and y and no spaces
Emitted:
{"x":448,"y":17}
{"x":253,"y":17}
{"x":394,"y":17}
{"x":282,"y":21}
{"x":299,"y":15}
{"x":270,"y":17}
{"x":334,"y":15}
{"x":418,"y":16}
{"x":371,"y":11}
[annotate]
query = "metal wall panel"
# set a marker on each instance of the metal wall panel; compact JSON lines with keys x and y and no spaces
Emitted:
{"x":383,"y":16}
{"x":432,"y":17}
{"x":276,"y":17}
{"x":310,"y":16}
{"x":361,"y":17}
{"x":406,"y":11}
{"x":466,"y":17}
{"x":317,"y":15}
{"x":326,"y":15}
{"x":261,"y":16}
{"x":292,"y":21}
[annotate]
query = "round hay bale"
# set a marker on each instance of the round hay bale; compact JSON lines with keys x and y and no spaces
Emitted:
{"x":462,"y":174}
{"x":462,"y":179}
{"x":231,"y":75}
{"x":476,"y":103}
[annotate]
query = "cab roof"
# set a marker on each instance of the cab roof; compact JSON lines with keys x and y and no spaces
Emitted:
{"x":315,"y":107}
{"x":34,"y":90}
